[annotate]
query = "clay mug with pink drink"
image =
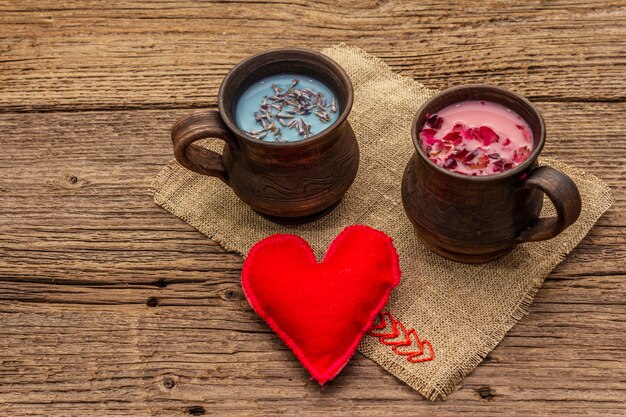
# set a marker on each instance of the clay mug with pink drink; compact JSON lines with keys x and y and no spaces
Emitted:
{"x":473,"y":188}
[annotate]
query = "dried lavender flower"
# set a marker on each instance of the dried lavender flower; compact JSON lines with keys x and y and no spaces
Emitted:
{"x":289,"y":103}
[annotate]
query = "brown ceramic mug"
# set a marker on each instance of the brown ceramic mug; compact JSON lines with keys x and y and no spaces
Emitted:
{"x":287,"y":182}
{"x":475,"y":219}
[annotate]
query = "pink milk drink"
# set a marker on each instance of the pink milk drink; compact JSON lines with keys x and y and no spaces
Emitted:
{"x":476,"y":138}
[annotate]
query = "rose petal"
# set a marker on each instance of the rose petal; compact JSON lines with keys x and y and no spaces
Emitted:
{"x":521,"y":154}
{"x":472,"y":134}
{"x":453,"y":137}
{"x":436,"y":148}
{"x":449,"y":147}
{"x":488,"y":135}
{"x":434,"y":121}
{"x":470,"y":156}
{"x":450,"y":163}
{"x":481,"y":162}
{"x":525,"y":132}
{"x":428,"y":135}
{"x":460,"y":155}
{"x":459,"y":127}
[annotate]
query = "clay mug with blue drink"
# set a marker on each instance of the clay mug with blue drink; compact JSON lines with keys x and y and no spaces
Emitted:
{"x":289,"y":151}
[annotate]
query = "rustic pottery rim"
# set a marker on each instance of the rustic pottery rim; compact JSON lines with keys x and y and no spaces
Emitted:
{"x":485,"y":87}
{"x":280,"y":53}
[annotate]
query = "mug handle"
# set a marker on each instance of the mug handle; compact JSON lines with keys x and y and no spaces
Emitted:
{"x":201,"y":125}
{"x":566,"y":199}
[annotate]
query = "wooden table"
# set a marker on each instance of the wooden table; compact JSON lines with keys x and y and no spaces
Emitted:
{"x":111,"y":306}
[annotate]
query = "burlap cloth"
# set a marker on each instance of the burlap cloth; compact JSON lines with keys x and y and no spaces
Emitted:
{"x":463,"y":310}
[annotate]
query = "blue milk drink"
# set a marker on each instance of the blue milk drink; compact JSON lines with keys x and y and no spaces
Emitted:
{"x":286,"y":108}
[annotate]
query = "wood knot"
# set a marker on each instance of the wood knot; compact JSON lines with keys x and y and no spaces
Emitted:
{"x":196,"y":410}
{"x":169,"y":383}
{"x":161,"y":283}
{"x":230,"y":294}
{"x":485,"y":393}
{"x":72,"y":179}
{"x":152,"y":302}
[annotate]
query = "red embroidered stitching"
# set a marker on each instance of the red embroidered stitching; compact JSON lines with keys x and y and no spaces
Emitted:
{"x":398,"y":329}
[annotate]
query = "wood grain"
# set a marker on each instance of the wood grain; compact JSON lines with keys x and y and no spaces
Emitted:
{"x":122,"y":54}
{"x":110,"y":306}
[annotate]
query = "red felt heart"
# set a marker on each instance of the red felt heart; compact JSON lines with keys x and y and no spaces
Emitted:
{"x":321,"y":310}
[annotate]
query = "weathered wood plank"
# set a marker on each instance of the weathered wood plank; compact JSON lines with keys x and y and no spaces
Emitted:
{"x":76,"y":207}
{"x":123,"y":54}
{"x":166,"y":360}
{"x":222,"y":289}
